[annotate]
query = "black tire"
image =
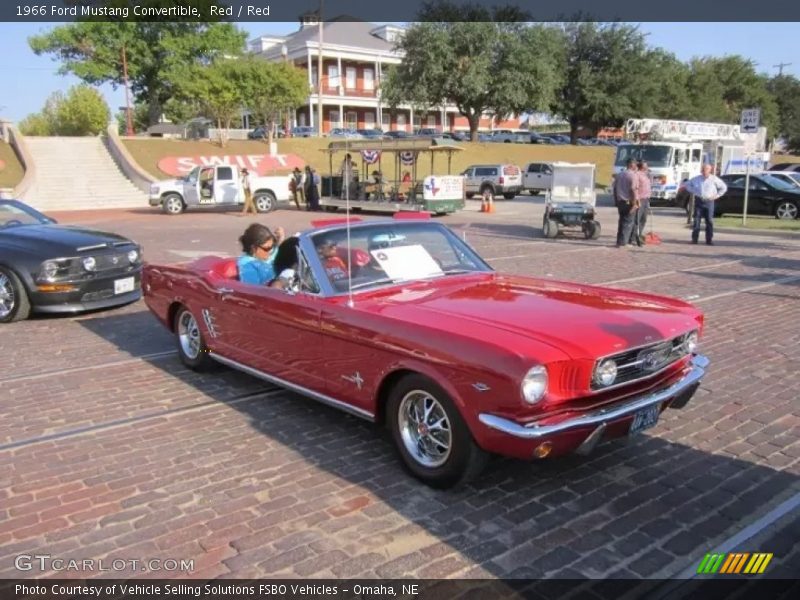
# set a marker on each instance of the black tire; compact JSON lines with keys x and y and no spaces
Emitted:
{"x":172,"y":204}
{"x":786,"y":210}
{"x":463,"y":459}
{"x":550,"y":228}
{"x":265,"y":202}
{"x":14,"y":302}
{"x":509,"y":196}
{"x":591,"y":230}
{"x":187,"y":332}
{"x":470,"y":195}
{"x":534,"y":192}
{"x":487,"y":187}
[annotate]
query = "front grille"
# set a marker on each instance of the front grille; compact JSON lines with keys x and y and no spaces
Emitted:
{"x":642,"y":362}
{"x":95,"y":296}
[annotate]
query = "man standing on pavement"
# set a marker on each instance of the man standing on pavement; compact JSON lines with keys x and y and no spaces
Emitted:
{"x":706,"y":188}
{"x":625,"y":188}
{"x":643,"y":196}
{"x":248,"y":193}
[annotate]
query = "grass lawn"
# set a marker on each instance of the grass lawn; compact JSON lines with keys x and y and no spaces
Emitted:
{"x":758,"y":222}
{"x":11,"y":172}
{"x":147,"y":153}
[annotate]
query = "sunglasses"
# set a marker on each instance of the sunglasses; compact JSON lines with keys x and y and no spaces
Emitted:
{"x":267,"y":248}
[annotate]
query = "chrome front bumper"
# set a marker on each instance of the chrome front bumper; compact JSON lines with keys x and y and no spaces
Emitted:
{"x":601,"y":417}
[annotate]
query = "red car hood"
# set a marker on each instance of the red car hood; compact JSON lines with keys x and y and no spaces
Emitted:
{"x":583,"y":321}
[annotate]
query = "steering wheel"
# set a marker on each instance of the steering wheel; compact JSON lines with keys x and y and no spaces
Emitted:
{"x":13,"y":222}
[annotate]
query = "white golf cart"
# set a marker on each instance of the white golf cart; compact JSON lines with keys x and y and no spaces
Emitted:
{"x":571,"y":199}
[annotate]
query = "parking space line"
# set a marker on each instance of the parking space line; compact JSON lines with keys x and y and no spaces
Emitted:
{"x":751,"y":288}
{"x":78,"y":431}
{"x":675,"y":272}
{"x":116,"y":363}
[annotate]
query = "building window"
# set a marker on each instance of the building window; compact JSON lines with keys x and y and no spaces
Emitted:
{"x":350,"y":78}
{"x":333,"y":76}
{"x":369,"y":120}
{"x":314,"y":76}
{"x":333,"y":117}
{"x":401,"y":122}
{"x":301,"y":120}
{"x":352,"y":120}
{"x":369,"y":79}
{"x":386,"y":121}
{"x":431,"y":121}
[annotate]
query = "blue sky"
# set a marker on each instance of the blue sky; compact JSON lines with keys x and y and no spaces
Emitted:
{"x":29,"y":79}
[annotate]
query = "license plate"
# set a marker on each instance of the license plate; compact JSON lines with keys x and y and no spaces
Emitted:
{"x":122,"y":286}
{"x":644,"y":419}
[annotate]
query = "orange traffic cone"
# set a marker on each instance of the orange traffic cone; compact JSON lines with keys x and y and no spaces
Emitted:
{"x":490,"y":204}
{"x":484,"y":205}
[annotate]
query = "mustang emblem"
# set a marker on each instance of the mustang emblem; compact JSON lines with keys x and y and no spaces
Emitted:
{"x":355,"y":378}
{"x":208,"y":318}
{"x":114,"y":259}
{"x":481,"y":387}
{"x":654,"y":358}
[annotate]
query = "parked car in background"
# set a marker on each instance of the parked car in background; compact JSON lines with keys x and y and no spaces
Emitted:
{"x":560,"y":138}
{"x":304,"y":131}
{"x":350,"y":134}
{"x":260,"y":133}
{"x":790,"y":177}
{"x":767,"y":196}
{"x":537,"y":177}
{"x":785,"y":167}
{"x":501,"y":180}
{"x":371,"y":134}
{"x":541,"y":368}
{"x":427,"y":132}
{"x":536,"y":138}
{"x":461,"y":136}
{"x":506,"y":136}
{"x":51,"y":268}
{"x":398,"y":135}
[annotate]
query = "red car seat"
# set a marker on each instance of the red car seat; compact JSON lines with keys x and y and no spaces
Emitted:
{"x":226,"y":268}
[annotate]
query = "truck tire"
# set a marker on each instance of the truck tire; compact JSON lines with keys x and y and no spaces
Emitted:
{"x":487,"y":187}
{"x":265,"y":202}
{"x":509,"y":195}
{"x":172,"y":204}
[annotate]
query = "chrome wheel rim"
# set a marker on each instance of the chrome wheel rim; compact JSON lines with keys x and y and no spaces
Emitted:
{"x":174,"y":205}
{"x":189,"y":335}
{"x":425,"y":429}
{"x":787,"y":210}
{"x":263,"y":203}
{"x":7,"y":296}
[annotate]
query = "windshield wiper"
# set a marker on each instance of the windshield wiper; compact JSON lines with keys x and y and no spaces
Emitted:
{"x":377,"y":282}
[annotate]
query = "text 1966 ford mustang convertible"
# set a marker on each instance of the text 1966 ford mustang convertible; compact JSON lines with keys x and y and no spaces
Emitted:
{"x":402,"y":323}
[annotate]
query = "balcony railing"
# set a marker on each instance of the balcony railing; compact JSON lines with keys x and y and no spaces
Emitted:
{"x":343,"y":90}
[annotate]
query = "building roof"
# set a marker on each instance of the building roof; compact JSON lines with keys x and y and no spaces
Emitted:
{"x":340,"y":31}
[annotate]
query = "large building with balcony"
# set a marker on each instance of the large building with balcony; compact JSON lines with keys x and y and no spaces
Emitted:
{"x":355,"y":55}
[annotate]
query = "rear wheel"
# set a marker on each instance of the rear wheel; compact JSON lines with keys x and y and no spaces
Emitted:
{"x":786,"y":210}
{"x":172,"y":204}
{"x":470,"y":195}
{"x":484,"y":189}
{"x":14,"y":303}
{"x":430,"y":435}
{"x":192,"y":348}
{"x":509,"y":196}
{"x":265,"y":202}
{"x":550,"y":228}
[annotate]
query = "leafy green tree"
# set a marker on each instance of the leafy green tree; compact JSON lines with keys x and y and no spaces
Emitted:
{"x":159,"y":54}
{"x":36,"y":124}
{"x":606,"y":74}
{"x":785,"y":90}
{"x":482,"y":61}
{"x":270,"y":88}
{"x":81,"y":111}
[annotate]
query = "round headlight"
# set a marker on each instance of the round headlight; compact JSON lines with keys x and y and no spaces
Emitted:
{"x":49,"y":270}
{"x":89,"y":263}
{"x":133,"y":256}
{"x":534,"y":384}
{"x":606,"y":372}
{"x":691,"y":343}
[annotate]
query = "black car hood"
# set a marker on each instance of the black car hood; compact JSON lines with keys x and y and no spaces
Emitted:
{"x":61,"y":240}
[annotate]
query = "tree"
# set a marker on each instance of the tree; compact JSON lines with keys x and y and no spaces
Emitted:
{"x":785,"y":90}
{"x":482,"y":61}
{"x":219,"y":89}
{"x":158,"y":53}
{"x":81,"y":111}
{"x":606,"y":75}
{"x":270,"y":88}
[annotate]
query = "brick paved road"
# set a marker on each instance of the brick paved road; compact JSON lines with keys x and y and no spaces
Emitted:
{"x":110,"y":448}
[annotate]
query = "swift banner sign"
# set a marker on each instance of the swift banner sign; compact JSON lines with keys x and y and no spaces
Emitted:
{"x":262,"y":164}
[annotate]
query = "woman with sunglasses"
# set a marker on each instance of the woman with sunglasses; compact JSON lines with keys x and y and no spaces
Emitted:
{"x":258,"y":247}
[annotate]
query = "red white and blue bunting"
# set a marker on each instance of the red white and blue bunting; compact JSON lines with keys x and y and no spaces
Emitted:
{"x":370,"y":156}
{"x":409,"y":157}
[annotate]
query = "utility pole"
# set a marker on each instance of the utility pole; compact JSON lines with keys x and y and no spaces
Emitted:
{"x":780,"y":66}
{"x":128,"y":112}
{"x":319,"y":73}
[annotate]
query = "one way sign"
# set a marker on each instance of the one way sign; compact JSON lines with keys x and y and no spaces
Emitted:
{"x":751,"y":118}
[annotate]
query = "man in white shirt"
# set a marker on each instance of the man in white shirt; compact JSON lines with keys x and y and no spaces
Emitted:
{"x":706,"y":188}
{"x":247,"y":185}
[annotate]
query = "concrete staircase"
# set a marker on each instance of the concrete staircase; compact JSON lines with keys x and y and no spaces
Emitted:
{"x":78,"y":173}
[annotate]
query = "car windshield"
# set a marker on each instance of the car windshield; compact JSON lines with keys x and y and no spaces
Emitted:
{"x":387,"y":253}
{"x":14,"y":214}
{"x":655,"y":156}
{"x":778,"y":183}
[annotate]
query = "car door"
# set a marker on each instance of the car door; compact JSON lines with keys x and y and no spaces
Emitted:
{"x":733,"y":200}
{"x":226,"y":186}
{"x":469,"y":180}
{"x":761,"y":198}
{"x":191,"y":188}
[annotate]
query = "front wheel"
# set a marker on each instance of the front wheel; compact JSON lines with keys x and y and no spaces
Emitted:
{"x":14,"y":303}
{"x":192,"y":349}
{"x":265,"y":202}
{"x":430,"y":435}
{"x":591,"y":230}
{"x":550,"y":228}
{"x":172,"y":204}
{"x":786,"y":211}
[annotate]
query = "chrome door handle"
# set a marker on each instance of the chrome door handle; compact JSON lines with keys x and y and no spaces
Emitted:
{"x":225,"y":290}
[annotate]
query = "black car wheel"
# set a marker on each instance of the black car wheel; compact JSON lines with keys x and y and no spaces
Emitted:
{"x":550,"y":228}
{"x":14,"y":303}
{"x":786,"y":210}
{"x":430,"y":435}
{"x":172,"y":204}
{"x":192,"y":348}
{"x":486,"y":187}
{"x":470,"y":195}
{"x":265,"y":202}
{"x":509,"y":196}
{"x":591,"y":230}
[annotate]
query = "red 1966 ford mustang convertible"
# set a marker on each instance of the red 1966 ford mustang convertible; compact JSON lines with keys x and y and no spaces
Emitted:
{"x":400,"y":322}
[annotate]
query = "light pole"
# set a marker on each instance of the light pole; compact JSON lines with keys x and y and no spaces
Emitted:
{"x":319,"y":72}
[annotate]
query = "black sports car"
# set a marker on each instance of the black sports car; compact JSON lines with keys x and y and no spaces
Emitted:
{"x":50,"y":268}
{"x":768,"y":195}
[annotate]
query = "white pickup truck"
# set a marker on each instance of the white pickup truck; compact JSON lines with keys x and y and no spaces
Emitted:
{"x":219,"y":185}
{"x":537,"y":177}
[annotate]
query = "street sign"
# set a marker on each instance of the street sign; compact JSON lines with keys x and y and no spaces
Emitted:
{"x":751,"y":118}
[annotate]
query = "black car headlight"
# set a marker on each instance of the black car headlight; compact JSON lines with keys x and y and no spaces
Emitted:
{"x":89,"y":263}
{"x":56,"y":269}
{"x":134,"y":256}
